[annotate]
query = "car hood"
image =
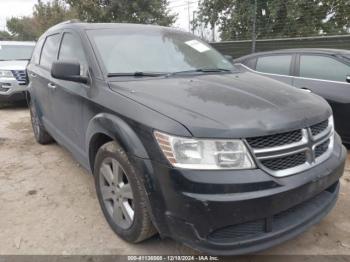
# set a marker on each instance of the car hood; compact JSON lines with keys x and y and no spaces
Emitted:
{"x":13,"y":65}
{"x":227,"y":105}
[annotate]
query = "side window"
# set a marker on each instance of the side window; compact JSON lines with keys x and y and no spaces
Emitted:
{"x":277,"y":64}
{"x":71,"y":49}
{"x":49,"y":52}
{"x":323,"y":67}
{"x":37,"y":50}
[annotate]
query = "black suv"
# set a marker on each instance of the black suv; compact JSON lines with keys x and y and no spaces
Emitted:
{"x":182,"y":143}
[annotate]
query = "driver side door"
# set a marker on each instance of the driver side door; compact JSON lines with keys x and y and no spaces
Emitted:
{"x":69,"y":98}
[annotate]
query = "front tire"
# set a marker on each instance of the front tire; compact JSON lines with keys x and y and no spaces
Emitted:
{"x":40,"y":133}
{"x":121,"y":194}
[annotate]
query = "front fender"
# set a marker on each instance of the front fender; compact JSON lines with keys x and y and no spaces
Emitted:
{"x":117,"y":129}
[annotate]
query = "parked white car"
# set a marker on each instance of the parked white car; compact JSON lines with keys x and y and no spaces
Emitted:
{"x":14,"y":57}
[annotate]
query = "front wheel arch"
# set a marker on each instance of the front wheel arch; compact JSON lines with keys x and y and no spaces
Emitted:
{"x":106,"y":127}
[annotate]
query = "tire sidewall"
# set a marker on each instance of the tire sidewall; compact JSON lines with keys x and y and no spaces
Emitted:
{"x":33,"y":114}
{"x":115,"y":152}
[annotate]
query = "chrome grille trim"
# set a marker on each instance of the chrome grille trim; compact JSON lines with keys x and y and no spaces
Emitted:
{"x":307,"y":145}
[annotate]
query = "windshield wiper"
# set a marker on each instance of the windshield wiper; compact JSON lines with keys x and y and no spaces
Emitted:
{"x":140,"y":74}
{"x":202,"y":70}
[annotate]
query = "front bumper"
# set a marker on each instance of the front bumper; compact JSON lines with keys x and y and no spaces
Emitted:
{"x":11,"y":90}
{"x":238,"y":212}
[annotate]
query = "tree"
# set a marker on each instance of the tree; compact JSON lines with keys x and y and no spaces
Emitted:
{"x":275,"y":18}
{"x":44,"y":16}
{"x":47,"y":14}
{"x":136,"y":11}
{"x":22,"y":28}
{"x":51,"y":13}
{"x":4,"y":35}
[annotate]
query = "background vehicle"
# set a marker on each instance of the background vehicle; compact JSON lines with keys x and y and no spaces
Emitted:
{"x":182,"y":143}
{"x":14,"y":57}
{"x":325,"y":72}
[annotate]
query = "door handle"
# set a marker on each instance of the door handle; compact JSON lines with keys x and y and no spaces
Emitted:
{"x":50,"y":85}
{"x":32,"y":75}
{"x":306,"y":89}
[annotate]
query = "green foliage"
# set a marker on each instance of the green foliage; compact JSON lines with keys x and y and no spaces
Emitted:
{"x":47,"y":14}
{"x":44,"y":16}
{"x":4,"y":36}
{"x":51,"y":13}
{"x":276,"y":18}
{"x":136,"y":11}
{"x":22,"y":28}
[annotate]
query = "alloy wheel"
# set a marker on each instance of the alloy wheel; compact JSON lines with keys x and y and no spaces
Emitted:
{"x":116,"y":193}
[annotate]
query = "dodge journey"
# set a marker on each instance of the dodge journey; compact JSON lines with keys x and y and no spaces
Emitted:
{"x":182,"y":143}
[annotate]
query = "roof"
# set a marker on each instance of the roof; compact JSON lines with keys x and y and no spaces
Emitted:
{"x":27,"y":43}
{"x":76,"y":24}
{"x":301,"y":50}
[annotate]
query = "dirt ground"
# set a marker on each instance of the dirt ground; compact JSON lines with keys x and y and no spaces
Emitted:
{"x":48,"y":205}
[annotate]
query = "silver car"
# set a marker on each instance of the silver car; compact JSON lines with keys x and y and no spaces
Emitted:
{"x":14,"y":57}
{"x":325,"y":72}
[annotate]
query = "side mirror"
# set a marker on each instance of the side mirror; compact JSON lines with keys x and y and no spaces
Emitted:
{"x":348,"y":78}
{"x":69,"y":71}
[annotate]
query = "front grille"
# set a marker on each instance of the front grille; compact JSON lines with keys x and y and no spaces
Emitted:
{"x":20,"y":76}
{"x":275,"y":140}
{"x":3,"y":89}
{"x":286,"y":162}
{"x":319,"y":128}
{"x":321,"y":148}
{"x":239,"y":231}
{"x":289,"y":152}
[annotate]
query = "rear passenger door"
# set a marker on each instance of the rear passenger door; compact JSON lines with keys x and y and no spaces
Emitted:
{"x":277,"y":66}
{"x":323,"y":74}
{"x":69,"y":97}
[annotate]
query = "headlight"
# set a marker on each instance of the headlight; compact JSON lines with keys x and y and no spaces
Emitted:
{"x":204,"y":153}
{"x":6,"y":74}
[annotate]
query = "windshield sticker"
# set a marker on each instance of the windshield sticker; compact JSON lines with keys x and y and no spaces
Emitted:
{"x":197,"y":46}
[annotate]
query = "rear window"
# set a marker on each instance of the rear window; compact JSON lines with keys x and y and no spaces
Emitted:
{"x":277,"y":64}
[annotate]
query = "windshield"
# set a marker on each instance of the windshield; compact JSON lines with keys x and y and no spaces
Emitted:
{"x":159,"y":50}
{"x":15,"y":52}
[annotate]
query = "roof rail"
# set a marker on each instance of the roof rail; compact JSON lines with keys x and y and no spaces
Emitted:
{"x":72,"y":21}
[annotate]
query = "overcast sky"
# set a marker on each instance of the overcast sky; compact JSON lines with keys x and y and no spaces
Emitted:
{"x":10,"y":8}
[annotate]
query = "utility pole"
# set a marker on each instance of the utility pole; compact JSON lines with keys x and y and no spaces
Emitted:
{"x":254,"y":26}
{"x":212,"y":23}
{"x":189,"y":15}
{"x":193,"y":17}
{"x":213,"y":31}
